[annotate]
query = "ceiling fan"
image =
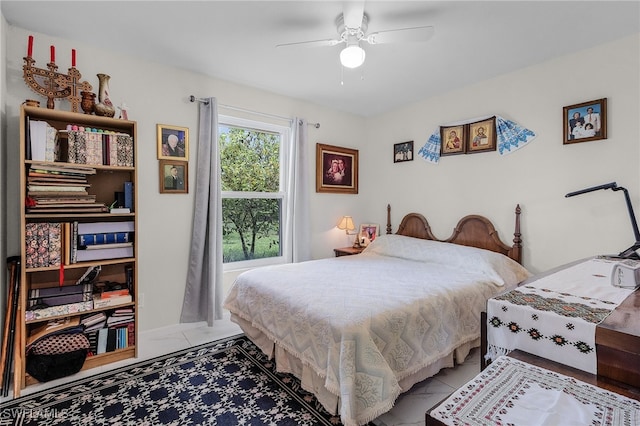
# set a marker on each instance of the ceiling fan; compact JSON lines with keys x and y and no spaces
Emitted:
{"x":352,"y":25}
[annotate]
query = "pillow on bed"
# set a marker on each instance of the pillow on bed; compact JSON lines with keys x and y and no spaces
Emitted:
{"x":499,"y":268}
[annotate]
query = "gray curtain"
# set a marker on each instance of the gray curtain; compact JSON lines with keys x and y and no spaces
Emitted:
{"x":203,"y":292}
{"x":299,"y":235}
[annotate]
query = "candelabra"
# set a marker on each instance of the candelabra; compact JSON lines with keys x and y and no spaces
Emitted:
{"x":52,"y":84}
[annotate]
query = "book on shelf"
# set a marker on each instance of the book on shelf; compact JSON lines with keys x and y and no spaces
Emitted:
{"x":131,"y":333}
{"x":92,"y":319}
{"x":104,"y":238}
{"x":69,"y":210}
{"x":102,"y":340}
{"x":122,"y":312}
{"x":54,"y":311}
{"x":62,"y":169}
{"x":105,"y":227}
{"x":100,"y":148}
{"x":60,"y":295}
{"x":104,"y":253}
{"x":111,"y":340}
{"x":107,"y":246}
{"x":119,"y":210}
{"x":115,"y":321}
{"x":58,"y":188}
{"x":113,"y":293}
{"x":99,"y":303}
{"x":39,"y":236}
{"x":92,"y":337}
{"x":128,"y":195}
{"x":43,"y":141}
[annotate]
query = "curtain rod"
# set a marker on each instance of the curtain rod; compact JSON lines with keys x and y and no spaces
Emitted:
{"x":205,"y":101}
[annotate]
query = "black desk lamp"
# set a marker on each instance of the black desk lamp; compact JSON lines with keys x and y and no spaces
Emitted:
{"x":629,"y":253}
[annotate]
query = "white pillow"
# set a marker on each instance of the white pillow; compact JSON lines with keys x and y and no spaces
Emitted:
{"x":499,"y":268}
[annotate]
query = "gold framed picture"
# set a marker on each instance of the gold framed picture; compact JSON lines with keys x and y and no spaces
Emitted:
{"x":336,"y":169}
{"x":174,"y":177}
{"x":173,"y":142}
{"x":452,"y":140}
{"x":481,"y":136}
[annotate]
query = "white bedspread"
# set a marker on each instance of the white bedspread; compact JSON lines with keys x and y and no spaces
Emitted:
{"x":365,"y":322}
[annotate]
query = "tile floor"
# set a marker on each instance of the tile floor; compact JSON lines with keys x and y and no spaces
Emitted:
{"x":409,"y":409}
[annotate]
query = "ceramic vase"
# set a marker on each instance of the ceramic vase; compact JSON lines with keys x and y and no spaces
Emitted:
{"x":104,"y":107}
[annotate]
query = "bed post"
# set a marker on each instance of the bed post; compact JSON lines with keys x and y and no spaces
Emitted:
{"x":388,"y":218}
{"x":517,"y":241}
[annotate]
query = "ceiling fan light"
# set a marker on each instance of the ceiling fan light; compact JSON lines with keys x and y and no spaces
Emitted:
{"x":352,"y":56}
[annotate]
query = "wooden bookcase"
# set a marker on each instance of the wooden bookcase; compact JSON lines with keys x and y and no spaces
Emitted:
{"x":103,"y":184}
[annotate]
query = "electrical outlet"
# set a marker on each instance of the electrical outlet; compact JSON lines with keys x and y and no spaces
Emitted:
{"x":141,"y":300}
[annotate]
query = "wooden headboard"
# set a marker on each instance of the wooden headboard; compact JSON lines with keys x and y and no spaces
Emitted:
{"x":472,"y":230}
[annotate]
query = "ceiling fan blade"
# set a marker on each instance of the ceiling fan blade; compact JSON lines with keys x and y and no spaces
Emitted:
{"x":402,"y":35}
{"x":311,"y":43}
{"x":353,"y":11}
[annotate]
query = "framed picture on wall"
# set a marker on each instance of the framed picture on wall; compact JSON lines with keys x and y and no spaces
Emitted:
{"x":174,"y":177}
{"x":452,"y":139}
{"x":336,"y":169}
{"x":585,"y":122}
{"x":481,"y":136}
{"x":173,"y":142}
{"x":403,"y":152}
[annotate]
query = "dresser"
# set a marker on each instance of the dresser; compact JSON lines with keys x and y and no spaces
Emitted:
{"x":618,"y":342}
{"x":617,"y":338}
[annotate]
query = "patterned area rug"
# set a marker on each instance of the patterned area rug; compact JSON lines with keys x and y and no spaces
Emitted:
{"x":227,"y":382}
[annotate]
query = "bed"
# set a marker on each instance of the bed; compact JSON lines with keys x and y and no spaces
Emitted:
{"x":359,"y":330}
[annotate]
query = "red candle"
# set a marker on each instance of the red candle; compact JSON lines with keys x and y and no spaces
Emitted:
{"x":73,"y":57}
{"x":53,"y":54}
{"x":30,"y":48}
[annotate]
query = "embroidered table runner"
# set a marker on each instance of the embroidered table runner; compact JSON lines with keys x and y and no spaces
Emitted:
{"x":555,"y":317}
{"x":514,"y":392}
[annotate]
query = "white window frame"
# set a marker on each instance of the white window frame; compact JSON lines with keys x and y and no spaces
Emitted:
{"x":285,"y":152}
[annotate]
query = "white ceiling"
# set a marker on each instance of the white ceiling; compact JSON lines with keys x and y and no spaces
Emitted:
{"x":235,"y":41}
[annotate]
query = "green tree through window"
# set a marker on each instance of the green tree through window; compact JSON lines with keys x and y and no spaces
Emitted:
{"x":252,"y":175}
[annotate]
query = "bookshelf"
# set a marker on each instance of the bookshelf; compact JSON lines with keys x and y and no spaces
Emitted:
{"x":102,"y":173}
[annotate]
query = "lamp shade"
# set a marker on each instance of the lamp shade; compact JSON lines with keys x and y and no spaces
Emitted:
{"x":346,"y":223}
{"x":352,"y":56}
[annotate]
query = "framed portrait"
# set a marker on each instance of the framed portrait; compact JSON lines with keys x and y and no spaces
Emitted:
{"x":585,"y":122}
{"x":452,"y":139}
{"x":481,"y":136}
{"x":173,"y":142}
{"x":174,"y":177}
{"x":403,"y":152}
{"x":368,"y":233}
{"x":336,"y":169}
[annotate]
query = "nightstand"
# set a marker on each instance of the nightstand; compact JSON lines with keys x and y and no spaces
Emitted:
{"x":348,"y":251}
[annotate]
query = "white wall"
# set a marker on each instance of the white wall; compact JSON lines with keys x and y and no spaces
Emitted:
{"x":158,"y":94}
{"x":555,"y":229}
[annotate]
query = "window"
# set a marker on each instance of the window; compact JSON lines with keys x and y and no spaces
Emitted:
{"x":253,"y":161}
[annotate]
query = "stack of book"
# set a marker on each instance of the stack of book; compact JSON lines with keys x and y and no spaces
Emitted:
{"x":60,"y":188}
{"x":93,"y":146}
{"x":120,"y":317}
{"x":92,"y":322}
{"x":111,"y":338}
